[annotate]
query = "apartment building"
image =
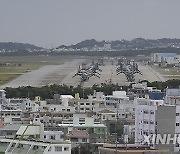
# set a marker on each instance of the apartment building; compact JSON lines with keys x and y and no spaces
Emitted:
{"x":145,"y":122}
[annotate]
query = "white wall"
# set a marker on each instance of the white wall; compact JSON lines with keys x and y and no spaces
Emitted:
{"x":143,"y":113}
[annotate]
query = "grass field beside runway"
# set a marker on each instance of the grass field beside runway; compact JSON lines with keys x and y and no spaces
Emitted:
{"x":27,"y":63}
{"x":168,"y":72}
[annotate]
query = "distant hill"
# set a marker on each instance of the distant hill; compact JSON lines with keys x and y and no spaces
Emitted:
{"x":135,"y":44}
{"x":13,"y":46}
{"x":92,"y":47}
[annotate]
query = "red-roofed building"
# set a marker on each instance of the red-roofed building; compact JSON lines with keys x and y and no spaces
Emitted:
{"x":78,"y":136}
{"x":105,"y":111}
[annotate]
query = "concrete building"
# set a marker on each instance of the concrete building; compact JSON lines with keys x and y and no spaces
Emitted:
{"x":96,"y":130}
{"x":30,"y":139}
{"x":78,"y":136}
{"x":115,"y":98}
{"x":161,"y":120}
{"x":145,"y":122}
{"x":172,"y":96}
{"x":91,"y":104}
{"x":168,"y":122}
{"x":53,"y":136}
{"x":2,"y":97}
{"x":162,"y":57}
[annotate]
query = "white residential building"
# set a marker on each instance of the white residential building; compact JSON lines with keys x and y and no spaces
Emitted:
{"x":2,"y":96}
{"x":115,"y":98}
{"x":30,"y":139}
{"x":145,"y":122}
{"x":157,"y":119}
{"x":172,"y":96}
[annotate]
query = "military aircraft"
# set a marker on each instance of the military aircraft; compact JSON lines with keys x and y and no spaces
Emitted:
{"x":129,"y":68}
{"x":85,"y":72}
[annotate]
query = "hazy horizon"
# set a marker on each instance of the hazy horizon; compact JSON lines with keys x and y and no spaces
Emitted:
{"x":65,"y":22}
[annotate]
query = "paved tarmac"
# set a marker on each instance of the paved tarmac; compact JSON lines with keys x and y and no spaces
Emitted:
{"x":52,"y":74}
{"x":109,"y":75}
{"x":63,"y":74}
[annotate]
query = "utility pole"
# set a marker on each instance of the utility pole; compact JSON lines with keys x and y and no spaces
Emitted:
{"x":79,"y":149}
{"x":116,"y":126}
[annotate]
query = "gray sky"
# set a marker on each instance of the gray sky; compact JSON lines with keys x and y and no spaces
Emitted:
{"x":57,"y":22}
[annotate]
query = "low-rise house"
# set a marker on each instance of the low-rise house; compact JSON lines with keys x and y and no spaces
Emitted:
{"x":97,"y":131}
{"x":53,"y":136}
{"x":9,"y":130}
{"x":106,"y":114}
{"x":30,"y":139}
{"x":78,"y":136}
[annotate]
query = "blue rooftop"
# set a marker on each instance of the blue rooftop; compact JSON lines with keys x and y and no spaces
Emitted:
{"x":157,"y":95}
{"x":167,"y":54}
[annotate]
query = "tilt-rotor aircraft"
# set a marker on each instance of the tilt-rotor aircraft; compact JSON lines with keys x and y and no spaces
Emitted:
{"x":128,"y":68}
{"x":85,"y":72}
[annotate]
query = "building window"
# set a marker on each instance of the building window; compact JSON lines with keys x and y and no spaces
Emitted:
{"x":66,"y":148}
{"x":177,"y":124}
{"x":74,"y":139}
{"x":68,"y":110}
{"x":145,"y":122}
{"x":177,"y":144}
{"x":151,"y":122}
{"x":84,"y":140}
{"x":49,"y":149}
{"x":52,"y":137}
{"x":9,"y":133}
{"x":81,"y":103}
{"x":87,"y":104}
{"x":145,"y":112}
{"x":152,"y":112}
{"x":57,"y":148}
{"x":177,"y":114}
{"x":81,"y":119}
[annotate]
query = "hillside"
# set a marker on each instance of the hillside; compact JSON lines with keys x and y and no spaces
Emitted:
{"x":13,"y":46}
{"x":135,"y":44}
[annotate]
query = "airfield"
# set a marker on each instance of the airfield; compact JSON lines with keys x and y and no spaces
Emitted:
{"x":63,"y":74}
{"x":109,"y":75}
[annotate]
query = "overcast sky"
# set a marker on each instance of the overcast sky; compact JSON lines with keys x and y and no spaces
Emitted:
{"x":57,"y":22}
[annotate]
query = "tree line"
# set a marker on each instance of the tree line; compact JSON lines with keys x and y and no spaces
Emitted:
{"x":47,"y":92}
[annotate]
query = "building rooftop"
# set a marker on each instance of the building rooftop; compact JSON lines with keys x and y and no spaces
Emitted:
{"x":157,"y":95}
{"x":106,"y":111}
{"x":11,"y":127}
{"x":67,"y":96}
{"x":78,"y":134}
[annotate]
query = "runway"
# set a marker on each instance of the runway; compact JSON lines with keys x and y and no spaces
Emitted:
{"x":63,"y":74}
{"x":52,"y":74}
